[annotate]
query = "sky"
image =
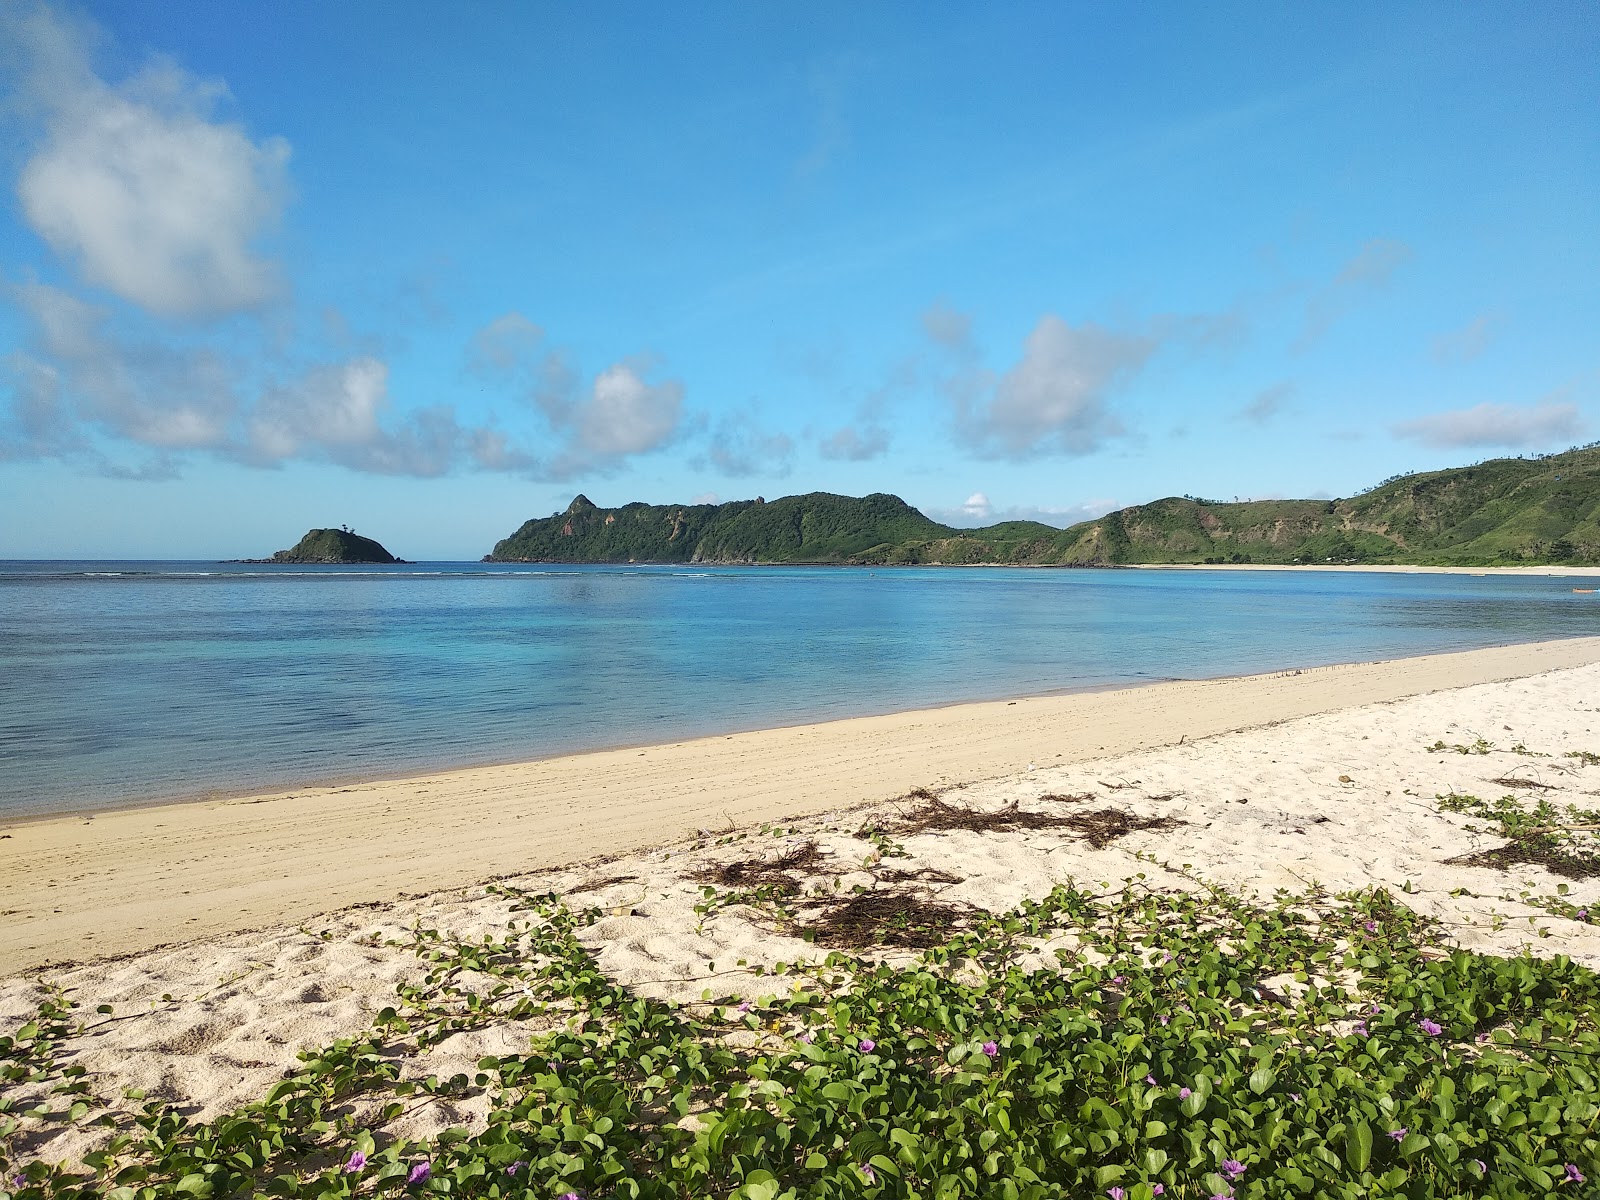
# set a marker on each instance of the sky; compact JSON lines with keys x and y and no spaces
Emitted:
{"x":429,"y":271}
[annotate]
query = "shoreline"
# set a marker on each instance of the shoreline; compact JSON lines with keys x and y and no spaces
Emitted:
{"x":85,"y":888}
{"x":1574,"y":572}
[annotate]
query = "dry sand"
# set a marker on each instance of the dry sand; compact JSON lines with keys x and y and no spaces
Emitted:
{"x":1327,"y":777}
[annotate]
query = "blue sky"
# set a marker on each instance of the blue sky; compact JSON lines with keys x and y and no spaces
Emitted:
{"x":429,"y":271}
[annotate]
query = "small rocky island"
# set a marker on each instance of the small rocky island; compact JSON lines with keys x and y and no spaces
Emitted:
{"x":331,"y":546}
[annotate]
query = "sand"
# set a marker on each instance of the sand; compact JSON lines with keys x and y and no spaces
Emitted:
{"x":113,"y":883}
{"x":1328,"y":776}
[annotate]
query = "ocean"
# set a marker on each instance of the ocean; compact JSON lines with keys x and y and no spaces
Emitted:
{"x":134,"y":681}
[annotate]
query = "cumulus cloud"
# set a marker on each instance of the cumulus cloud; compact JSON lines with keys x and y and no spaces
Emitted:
{"x":1370,"y":271}
{"x":622,"y":412}
{"x":1268,"y":403}
{"x":1055,"y":399}
{"x":854,"y":443}
{"x":80,"y":389}
{"x":139,"y":185}
{"x":1546,"y":423}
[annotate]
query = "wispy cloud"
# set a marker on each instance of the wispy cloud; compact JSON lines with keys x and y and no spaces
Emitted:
{"x":1366,"y":274}
{"x":1468,"y":342}
{"x":1547,"y":423}
{"x":740,"y":447}
{"x":1268,"y":403}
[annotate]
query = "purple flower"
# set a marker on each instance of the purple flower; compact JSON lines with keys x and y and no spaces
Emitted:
{"x":1483,"y":1167}
{"x":1573,"y":1175}
{"x":1295,"y":1096}
{"x":871,"y":1175}
{"x":1399,"y":1135}
{"x":420,"y":1172}
{"x":1232,"y":1168}
{"x":1165,"y":1020}
{"x":570,"y":1196}
{"x":1116,"y":1193}
{"x":1151,"y":1080}
{"x":1222,"y":1196}
{"x":868,"y":1045}
{"x":1184,"y":1093}
{"x":356,"y":1162}
{"x":1371,"y":927}
{"x":1158,"y":1189}
{"x":808,"y":1037}
{"x":1431,"y":1028}
{"x":1116,"y":979}
{"x":992,"y":1050}
{"x":1361,"y":1028}
{"x":1583,"y":914}
{"x":744,"y":1006}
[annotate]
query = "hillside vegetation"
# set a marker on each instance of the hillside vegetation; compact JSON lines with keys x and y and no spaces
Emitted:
{"x":1505,"y":511}
{"x":334,"y":546}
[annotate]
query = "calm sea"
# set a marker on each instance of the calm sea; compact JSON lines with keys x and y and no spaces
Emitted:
{"x":122,"y":682}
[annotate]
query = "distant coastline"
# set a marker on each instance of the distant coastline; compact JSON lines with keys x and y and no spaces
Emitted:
{"x":1504,"y":513}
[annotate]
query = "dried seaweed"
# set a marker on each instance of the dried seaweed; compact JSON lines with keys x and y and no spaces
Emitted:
{"x":869,"y":919}
{"x":1538,"y":851}
{"x":595,"y":885}
{"x":770,"y":872}
{"x":1075,"y":798}
{"x":1511,"y":781}
{"x":1099,"y":828}
{"x":926,"y":875}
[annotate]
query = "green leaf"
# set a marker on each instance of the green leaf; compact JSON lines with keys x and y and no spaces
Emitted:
{"x":1261,"y":1079}
{"x":1358,"y":1145}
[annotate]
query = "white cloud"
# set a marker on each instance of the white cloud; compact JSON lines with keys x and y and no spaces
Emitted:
{"x":855,"y":443}
{"x":625,"y":415}
{"x":621,"y":413}
{"x":1054,"y":400}
{"x":80,"y":391}
{"x":140,"y":187}
{"x":1543,"y":424}
{"x":1268,"y":403}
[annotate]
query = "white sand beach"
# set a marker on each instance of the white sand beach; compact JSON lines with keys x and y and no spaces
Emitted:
{"x":285,"y":916}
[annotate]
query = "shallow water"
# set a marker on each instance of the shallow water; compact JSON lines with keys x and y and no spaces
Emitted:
{"x":122,"y":682}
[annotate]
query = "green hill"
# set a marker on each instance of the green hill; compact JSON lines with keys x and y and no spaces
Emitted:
{"x":334,"y":546}
{"x":1503,"y":512}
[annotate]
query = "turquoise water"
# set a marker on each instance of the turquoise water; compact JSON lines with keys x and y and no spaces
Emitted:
{"x":122,"y":682}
